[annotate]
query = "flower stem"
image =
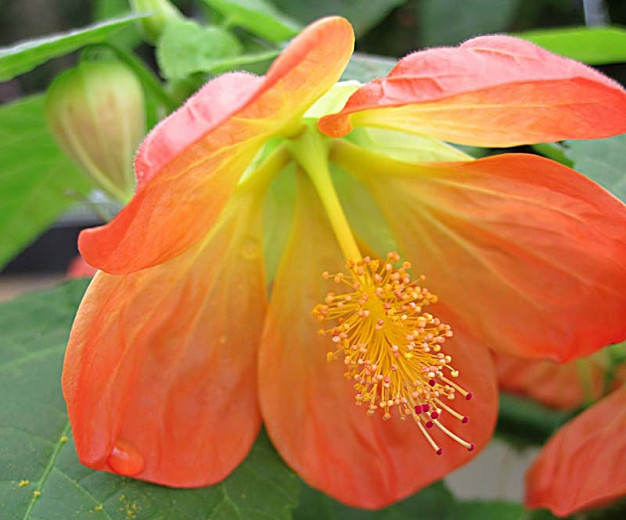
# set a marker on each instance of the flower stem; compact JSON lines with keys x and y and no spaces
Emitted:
{"x":584,"y":375}
{"x":310,"y":150}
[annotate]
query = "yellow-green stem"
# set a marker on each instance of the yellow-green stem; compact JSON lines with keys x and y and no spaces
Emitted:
{"x":310,"y":150}
{"x":584,"y":375}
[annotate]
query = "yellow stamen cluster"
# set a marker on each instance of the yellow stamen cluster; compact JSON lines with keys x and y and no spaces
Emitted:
{"x":391,"y":348}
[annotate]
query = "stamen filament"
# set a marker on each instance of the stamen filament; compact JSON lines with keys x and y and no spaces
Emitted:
{"x":427,"y":436}
{"x":459,"y":389}
{"x":458,"y":439}
{"x":452,"y":411}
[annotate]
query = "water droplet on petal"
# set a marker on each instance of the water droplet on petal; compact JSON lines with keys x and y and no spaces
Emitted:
{"x":250,"y":248}
{"x":125,"y":459}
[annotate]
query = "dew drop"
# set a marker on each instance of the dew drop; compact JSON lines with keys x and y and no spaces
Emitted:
{"x":250,"y":248}
{"x":125,"y":459}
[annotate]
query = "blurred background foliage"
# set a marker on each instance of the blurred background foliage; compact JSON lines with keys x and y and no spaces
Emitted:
{"x":384,"y":27}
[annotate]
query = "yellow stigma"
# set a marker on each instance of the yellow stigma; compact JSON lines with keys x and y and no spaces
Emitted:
{"x":391,"y":348}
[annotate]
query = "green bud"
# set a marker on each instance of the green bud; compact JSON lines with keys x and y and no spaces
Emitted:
{"x":163,"y":13}
{"x":96,"y":113}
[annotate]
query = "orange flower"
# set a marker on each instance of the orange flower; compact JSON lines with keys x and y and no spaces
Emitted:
{"x":176,"y":354}
{"x":561,"y":385}
{"x":584,"y":464}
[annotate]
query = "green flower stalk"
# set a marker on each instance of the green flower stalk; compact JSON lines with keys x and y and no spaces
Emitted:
{"x":162,"y":11}
{"x":96,"y":113}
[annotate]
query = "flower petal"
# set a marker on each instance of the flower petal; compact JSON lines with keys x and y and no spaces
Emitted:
{"x":307,"y":402}
{"x":160,"y":372}
{"x":190,"y":163}
{"x":489,"y":91}
{"x":584,"y":464}
{"x":527,"y":251}
{"x":560,"y":385}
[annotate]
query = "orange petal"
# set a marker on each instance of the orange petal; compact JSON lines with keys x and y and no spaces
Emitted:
{"x":560,"y":385}
{"x":584,"y":464}
{"x":489,"y":91}
{"x":529,"y":252}
{"x":308,"y":405}
{"x":160,"y":372}
{"x":190,"y":163}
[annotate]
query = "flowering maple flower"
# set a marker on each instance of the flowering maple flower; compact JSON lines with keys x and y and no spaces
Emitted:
{"x":566,"y":386}
{"x":584,"y":464}
{"x":178,"y":353}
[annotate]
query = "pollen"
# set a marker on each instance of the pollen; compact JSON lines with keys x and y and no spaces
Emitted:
{"x":392,"y":350}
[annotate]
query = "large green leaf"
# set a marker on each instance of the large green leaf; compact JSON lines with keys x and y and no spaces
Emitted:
{"x":40,"y":475}
{"x":37,"y":181}
{"x":481,"y":510}
{"x":186,"y":47}
{"x":363,"y":14}
{"x":593,"y":45}
{"x":449,"y":23}
{"x":259,"y":17}
{"x":128,"y":37}
{"x":602,"y":160}
{"x":432,"y":503}
{"x":366,"y":67}
{"x":25,"y":56}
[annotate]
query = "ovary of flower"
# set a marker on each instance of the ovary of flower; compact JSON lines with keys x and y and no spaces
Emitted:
{"x":391,"y":349}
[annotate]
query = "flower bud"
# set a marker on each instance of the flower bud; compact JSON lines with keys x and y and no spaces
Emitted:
{"x":96,"y":113}
{"x":162,"y":13}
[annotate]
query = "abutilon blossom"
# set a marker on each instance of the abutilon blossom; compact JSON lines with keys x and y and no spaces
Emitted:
{"x":178,"y":352}
{"x":566,"y":386}
{"x":584,"y":464}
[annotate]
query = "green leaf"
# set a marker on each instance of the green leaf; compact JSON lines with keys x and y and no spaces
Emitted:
{"x":259,"y":17}
{"x":602,"y":160}
{"x":186,"y":48}
{"x":434,"y":502}
{"x":480,"y":510}
{"x":524,"y":421}
{"x":449,"y":23}
{"x":593,"y":45}
{"x":366,"y":67}
{"x":128,"y":37}
{"x":553,"y":151}
{"x":363,"y":14}
{"x":37,"y":181}
{"x":25,"y":56}
{"x":243,"y":61}
{"x":40,"y":475}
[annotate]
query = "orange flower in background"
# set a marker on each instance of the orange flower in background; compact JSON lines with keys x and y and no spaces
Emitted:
{"x":584,"y":464}
{"x":177,"y":354}
{"x":561,"y":385}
